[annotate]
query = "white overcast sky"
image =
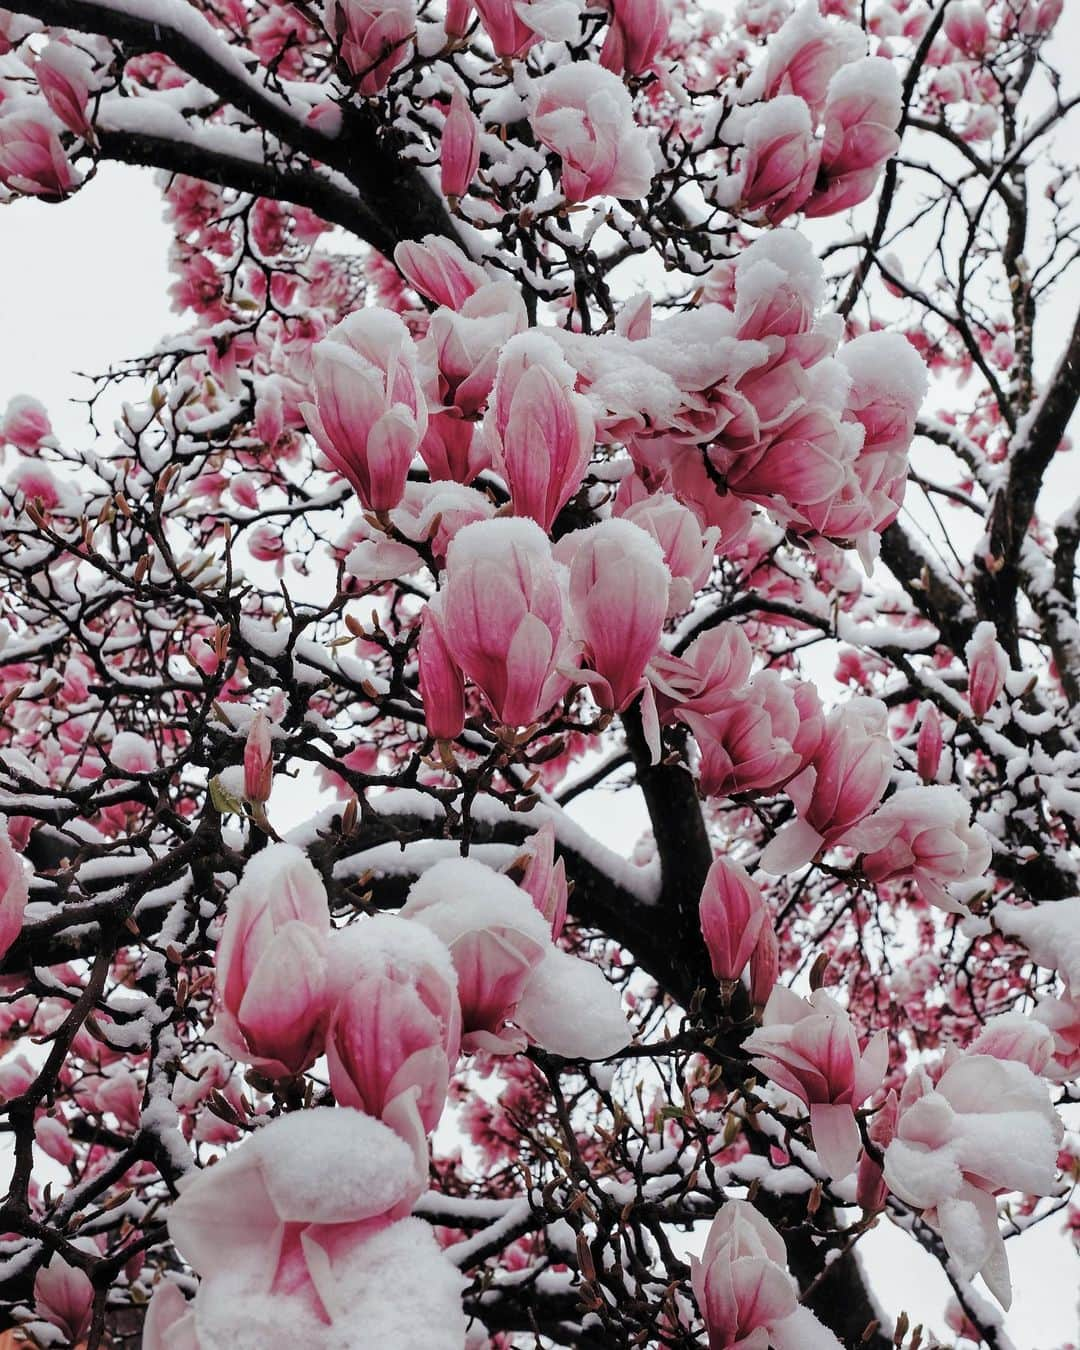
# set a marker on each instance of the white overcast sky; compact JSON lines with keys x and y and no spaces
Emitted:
{"x":84,"y":284}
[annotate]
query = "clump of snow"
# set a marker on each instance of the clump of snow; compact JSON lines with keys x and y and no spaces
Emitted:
{"x":1050,"y":932}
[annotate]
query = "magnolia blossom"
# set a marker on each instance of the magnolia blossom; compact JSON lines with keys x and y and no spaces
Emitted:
{"x":636,"y":32}
{"x":25,"y":423}
{"x":442,"y":685}
{"x":619,"y":586}
{"x":688,"y":550}
{"x":543,"y":877}
{"x":14,"y":891}
{"x":32,"y":160}
{"x":64,"y":75}
{"x":844,"y":781}
{"x":988,"y":666}
{"x":923,"y":832}
{"x":1062,"y":1017}
{"x":809,"y":1047}
{"x":928,"y":745}
{"x":439,"y":270}
{"x":803,"y":56}
{"x":302,"y":1232}
{"x":258,"y":760}
{"x":744,"y":1291}
{"x":369,"y":413}
{"x":508,"y":969}
{"x":542,"y":432}
{"x":713,"y":666}
{"x":862,"y":113}
{"x":747,"y":740}
{"x":584,"y":113}
{"x":459,"y":147}
{"x":64,"y":1296}
{"x":731,"y":912}
{"x":271,"y":964}
{"x":502,"y":612}
{"x":983,"y":1127}
{"x":778,"y":157}
{"x":373,"y":37}
{"x":396,"y":1025}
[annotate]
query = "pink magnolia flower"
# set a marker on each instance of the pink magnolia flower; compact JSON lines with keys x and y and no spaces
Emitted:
{"x":985,"y":1126}
{"x":732,"y":912}
{"x":64,"y":75}
{"x":64,"y":1296}
{"x":743,"y":1289}
{"x":888,"y":385}
{"x":305,"y":1226}
{"x":923,"y":833}
{"x":25,"y":423}
{"x":1015,"y":1036}
{"x":396,"y":1025}
{"x":459,"y":147}
{"x":928,"y":744}
{"x":803,"y":56}
{"x":862,"y":112}
{"x":584,"y":114}
{"x":636,"y":32}
{"x":439,"y":270}
{"x":804,"y":462}
{"x":688,"y":550}
{"x":747,"y":739}
{"x":542,"y":432}
{"x":374,"y":37}
{"x":987,"y":666}
{"x":870,"y":1189}
{"x":514,"y":25}
{"x":14,"y":892}
{"x":509,"y":970}
{"x":844,"y":781}
{"x":442,"y":685}
{"x":170,"y":1320}
{"x":503,"y":616}
{"x":1062,"y":1017}
{"x":460,"y":356}
{"x":32,"y":160}
{"x":778,"y":157}
{"x":714,"y":665}
{"x":271,"y":964}
{"x":764,"y":964}
{"x":619,"y":587}
{"x":369,"y":413}
{"x":258,"y":760}
{"x":966,"y":27}
{"x":809,"y":1047}
{"x":543,"y":878}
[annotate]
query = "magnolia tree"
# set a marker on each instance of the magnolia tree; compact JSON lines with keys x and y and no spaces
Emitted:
{"x":537,"y":440}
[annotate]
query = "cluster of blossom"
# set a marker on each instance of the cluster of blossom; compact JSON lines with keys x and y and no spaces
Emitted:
{"x":551,"y":504}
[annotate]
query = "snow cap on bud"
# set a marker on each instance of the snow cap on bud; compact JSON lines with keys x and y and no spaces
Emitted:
{"x":987,"y":667}
{"x":258,"y":760}
{"x":732,"y":913}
